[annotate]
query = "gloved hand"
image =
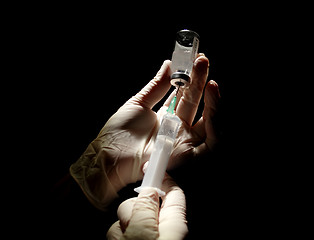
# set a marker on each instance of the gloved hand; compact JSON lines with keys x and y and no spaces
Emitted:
{"x":116,"y":157}
{"x":141,"y":218}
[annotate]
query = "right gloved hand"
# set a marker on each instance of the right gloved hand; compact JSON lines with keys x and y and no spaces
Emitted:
{"x":141,"y":218}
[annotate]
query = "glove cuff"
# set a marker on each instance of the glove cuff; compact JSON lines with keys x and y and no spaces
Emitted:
{"x":93,"y":180}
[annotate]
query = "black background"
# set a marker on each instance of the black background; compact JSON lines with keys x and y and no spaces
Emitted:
{"x":80,"y":63}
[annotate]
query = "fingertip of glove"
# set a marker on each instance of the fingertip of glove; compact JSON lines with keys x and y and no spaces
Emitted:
{"x":201,"y":62}
{"x":167,"y":62}
{"x":164,"y":72}
{"x":213,"y":87}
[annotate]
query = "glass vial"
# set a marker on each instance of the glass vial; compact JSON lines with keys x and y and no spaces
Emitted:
{"x":184,"y":54}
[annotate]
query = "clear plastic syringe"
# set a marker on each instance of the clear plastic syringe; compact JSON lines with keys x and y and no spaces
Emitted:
{"x":184,"y":54}
{"x":162,"y":150}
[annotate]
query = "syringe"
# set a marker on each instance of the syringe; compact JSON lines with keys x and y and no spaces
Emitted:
{"x":185,"y":52}
{"x":163,"y":147}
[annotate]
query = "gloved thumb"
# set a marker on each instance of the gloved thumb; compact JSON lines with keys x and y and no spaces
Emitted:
{"x":140,"y":217}
{"x":143,"y":223}
{"x":156,"y":89}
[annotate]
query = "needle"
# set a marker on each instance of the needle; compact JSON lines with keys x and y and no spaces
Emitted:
{"x":173,"y":102}
{"x":178,"y":90}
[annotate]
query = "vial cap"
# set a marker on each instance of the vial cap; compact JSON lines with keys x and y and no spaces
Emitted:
{"x":186,"y":37}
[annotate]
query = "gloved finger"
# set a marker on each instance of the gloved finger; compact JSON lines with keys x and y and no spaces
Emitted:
{"x":114,"y":232}
{"x":172,"y":216}
{"x":143,"y":223}
{"x":156,"y":89}
{"x":124,"y":212}
{"x":204,"y":127}
{"x":176,"y":92}
{"x":187,"y":107}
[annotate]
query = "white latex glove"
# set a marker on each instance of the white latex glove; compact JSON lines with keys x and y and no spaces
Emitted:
{"x":141,"y":218}
{"x":115,"y":158}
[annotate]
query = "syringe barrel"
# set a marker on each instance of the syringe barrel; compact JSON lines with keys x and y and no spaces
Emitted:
{"x":162,"y":150}
{"x":184,"y":54}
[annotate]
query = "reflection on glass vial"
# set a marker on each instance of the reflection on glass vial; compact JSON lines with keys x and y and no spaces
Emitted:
{"x":185,"y":51}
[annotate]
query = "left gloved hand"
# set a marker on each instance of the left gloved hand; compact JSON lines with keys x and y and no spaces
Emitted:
{"x":116,"y":157}
{"x":141,"y":217}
